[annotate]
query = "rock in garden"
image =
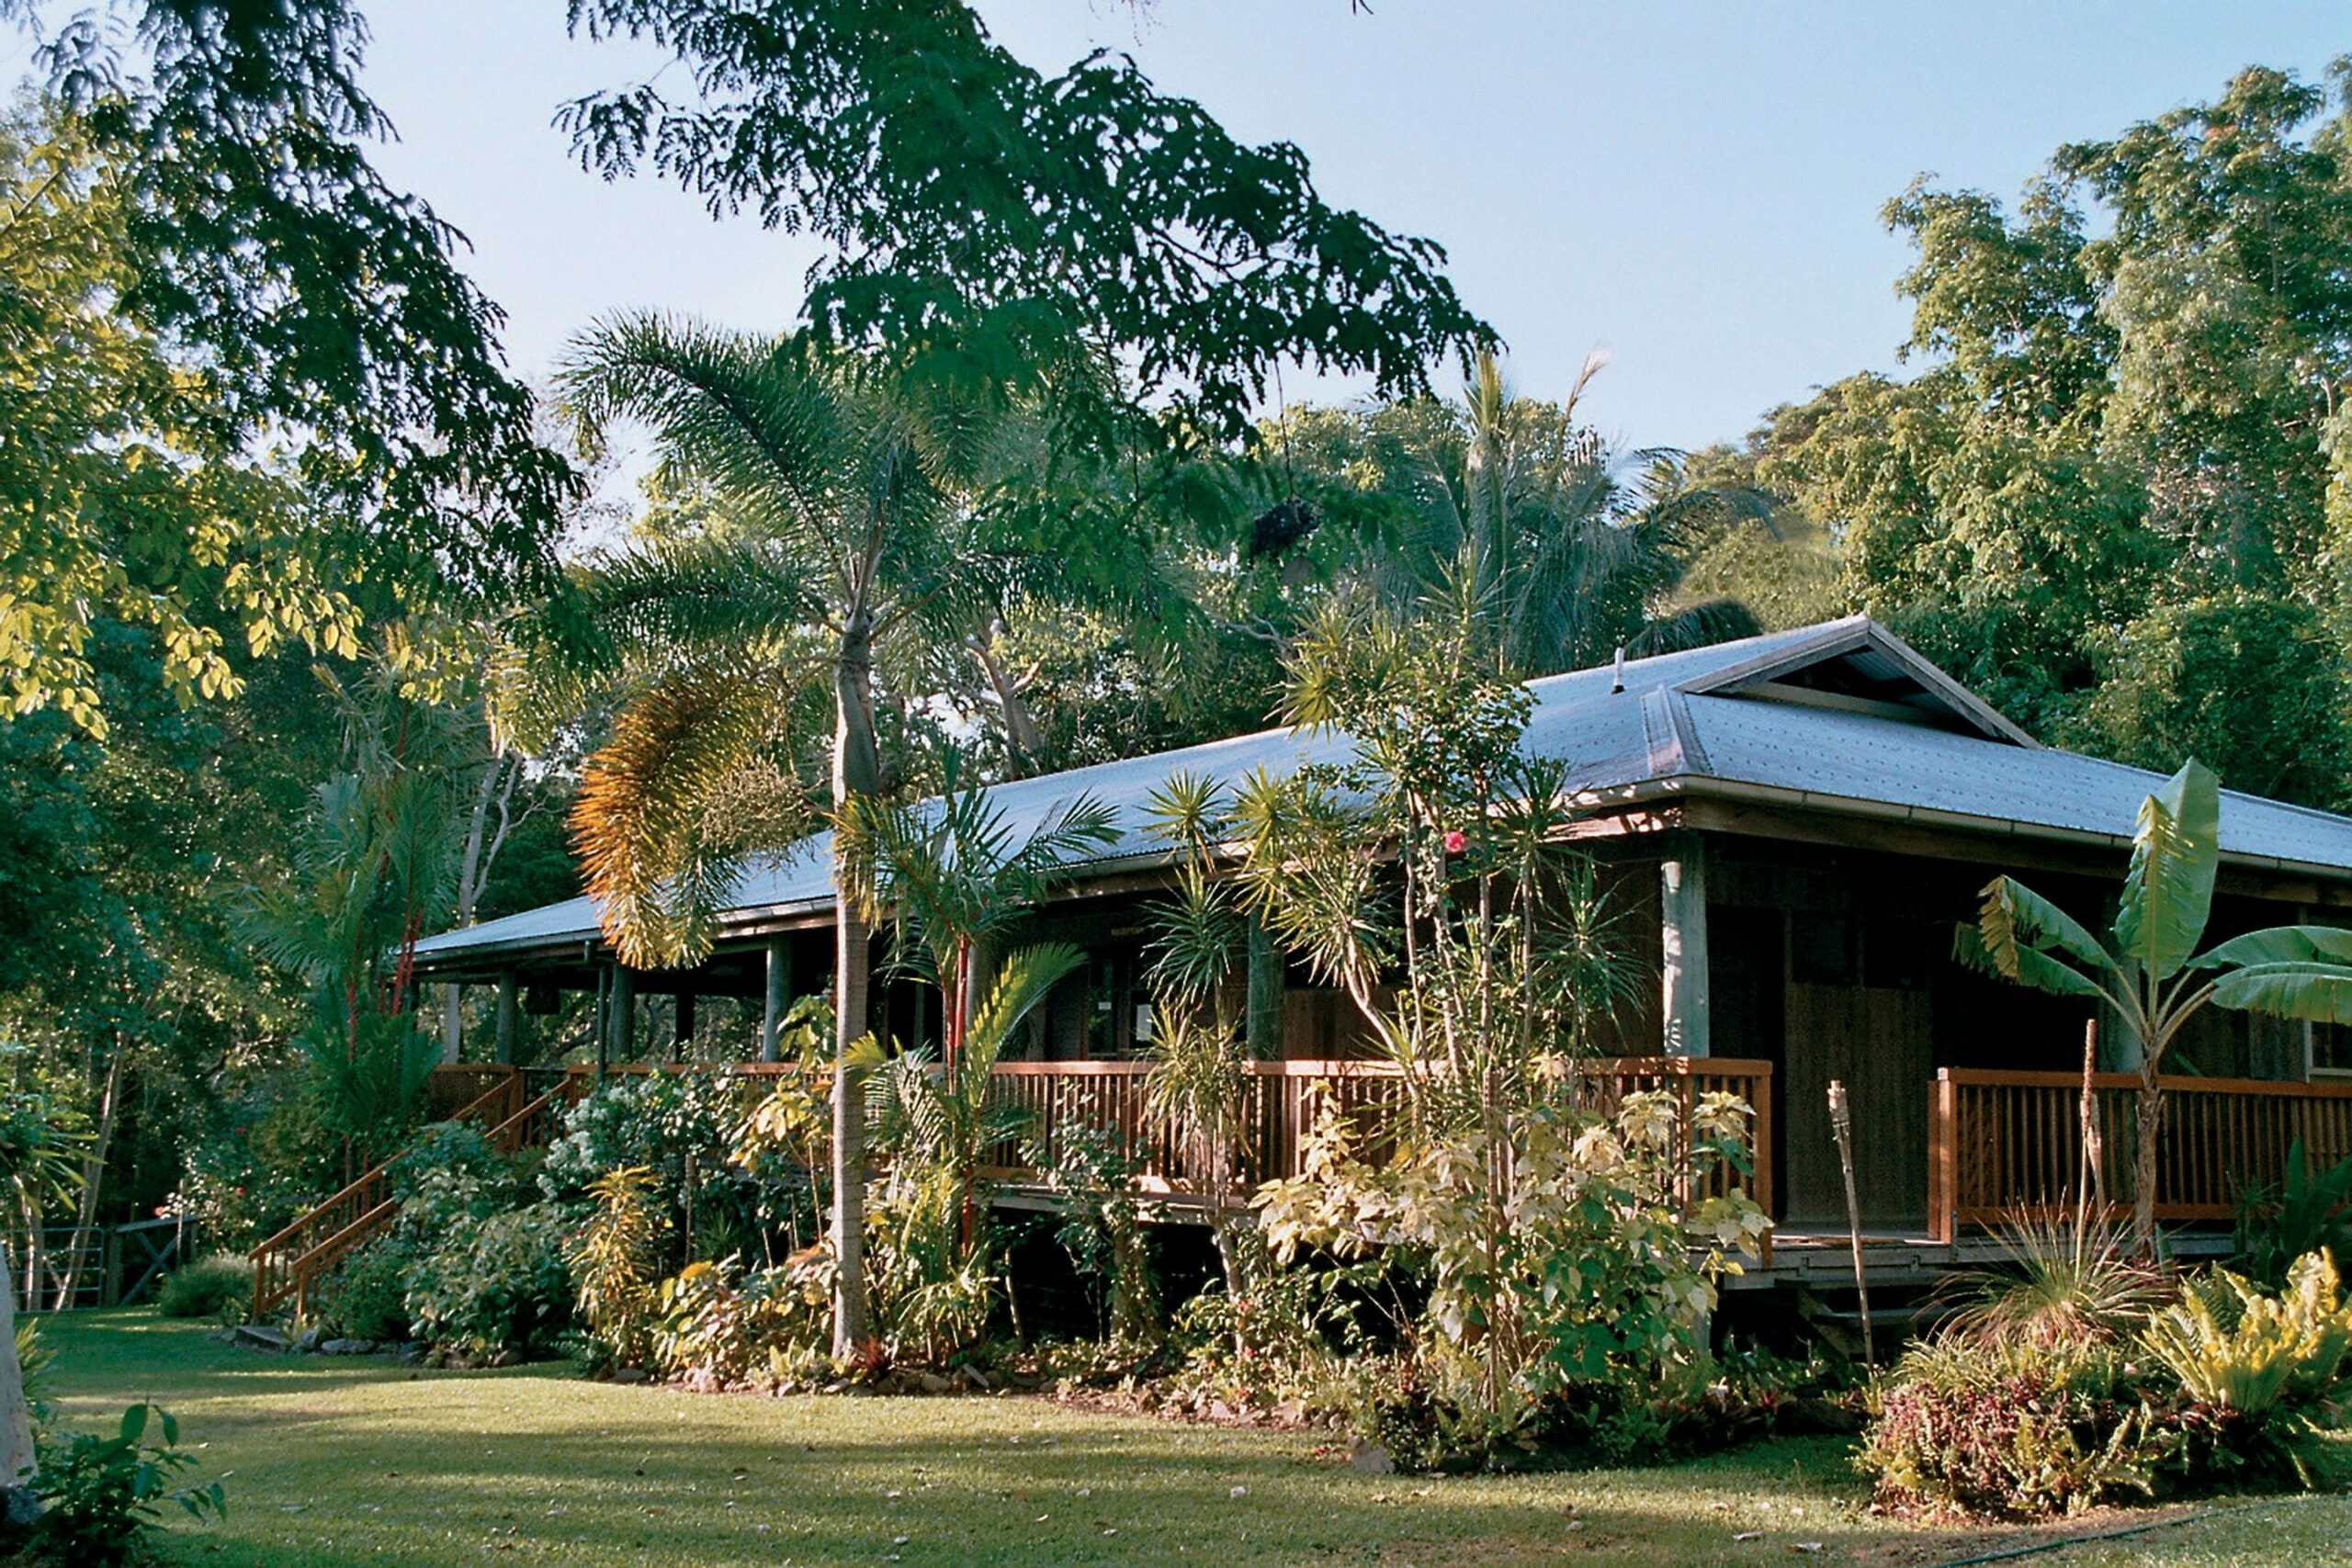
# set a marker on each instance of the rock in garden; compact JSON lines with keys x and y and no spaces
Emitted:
{"x":1372,"y":1460}
{"x":262,"y":1335}
{"x":508,"y":1357}
{"x":309,"y":1339}
{"x":931,"y":1382}
{"x":631,"y":1375}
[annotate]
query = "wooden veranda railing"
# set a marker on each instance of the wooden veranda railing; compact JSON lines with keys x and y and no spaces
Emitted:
{"x":2002,"y":1143}
{"x":1282,"y":1100}
{"x":1280,"y":1106}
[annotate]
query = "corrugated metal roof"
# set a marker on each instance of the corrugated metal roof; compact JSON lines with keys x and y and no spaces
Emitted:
{"x":1662,"y":732}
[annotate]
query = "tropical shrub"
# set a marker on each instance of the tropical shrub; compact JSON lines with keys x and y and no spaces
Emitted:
{"x":934,"y":1283}
{"x":2255,"y":1370}
{"x":2306,"y":1211}
{"x":2219,"y":1383}
{"x":495,"y":1284}
{"x":1559,"y":1253}
{"x":783,"y":1144}
{"x":1100,"y":1227}
{"x":218,"y":1286}
{"x":613,"y":1257}
{"x":679,"y":1128}
{"x":1301,"y":1340}
{"x":447,"y":1149}
{"x":723,"y":1327}
{"x":102,"y":1498}
{"x":2014,"y":1427}
{"x":367,"y":1297}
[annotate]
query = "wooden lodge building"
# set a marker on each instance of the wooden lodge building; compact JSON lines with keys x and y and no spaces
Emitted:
{"x":1790,"y":826}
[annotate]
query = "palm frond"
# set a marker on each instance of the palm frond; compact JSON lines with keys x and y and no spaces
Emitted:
{"x":657,"y":857}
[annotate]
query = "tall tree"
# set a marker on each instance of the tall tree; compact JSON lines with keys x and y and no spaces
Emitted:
{"x":831,"y":531}
{"x":1567,"y":547}
{"x":1011,"y":228}
{"x":260,"y":377}
{"x":2103,"y":502}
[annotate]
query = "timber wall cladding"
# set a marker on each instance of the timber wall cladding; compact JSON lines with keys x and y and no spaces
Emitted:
{"x":1877,"y":1041}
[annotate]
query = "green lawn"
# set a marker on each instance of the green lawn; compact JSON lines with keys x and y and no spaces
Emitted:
{"x":330,"y":1463}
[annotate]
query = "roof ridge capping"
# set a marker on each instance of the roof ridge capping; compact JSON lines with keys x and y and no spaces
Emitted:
{"x":1856,"y":634}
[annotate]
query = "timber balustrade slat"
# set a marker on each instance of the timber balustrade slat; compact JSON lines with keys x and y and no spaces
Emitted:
{"x":2011,"y":1140}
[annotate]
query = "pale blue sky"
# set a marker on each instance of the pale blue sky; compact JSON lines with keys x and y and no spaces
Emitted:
{"x":1694,"y":187}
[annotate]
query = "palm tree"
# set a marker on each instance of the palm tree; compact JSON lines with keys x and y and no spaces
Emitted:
{"x":2149,"y":971}
{"x":1565,"y":544}
{"x":953,"y":880}
{"x":374,"y":864}
{"x":823,"y":520}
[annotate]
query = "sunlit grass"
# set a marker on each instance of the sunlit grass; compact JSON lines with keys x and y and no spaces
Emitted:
{"x":330,"y":1463}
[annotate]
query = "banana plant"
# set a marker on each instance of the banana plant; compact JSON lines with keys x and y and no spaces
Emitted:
{"x":2149,"y":970}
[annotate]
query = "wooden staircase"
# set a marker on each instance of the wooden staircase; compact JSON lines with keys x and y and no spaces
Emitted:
{"x":288,"y":1266}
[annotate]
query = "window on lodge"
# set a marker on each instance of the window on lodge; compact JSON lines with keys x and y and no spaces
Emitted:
{"x":1103,"y":1011}
{"x":2331,"y":1051}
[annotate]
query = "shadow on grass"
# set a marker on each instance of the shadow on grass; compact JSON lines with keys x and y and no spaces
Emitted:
{"x":330,"y":1463}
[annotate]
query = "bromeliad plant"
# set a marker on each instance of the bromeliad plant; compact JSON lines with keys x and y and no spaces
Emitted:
{"x":2149,"y":971}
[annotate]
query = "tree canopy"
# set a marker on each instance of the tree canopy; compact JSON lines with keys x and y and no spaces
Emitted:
{"x":2106,"y":500}
{"x":1007,"y":228}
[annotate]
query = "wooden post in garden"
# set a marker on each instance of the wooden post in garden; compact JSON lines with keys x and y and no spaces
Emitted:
{"x":1682,"y":974}
{"x":1841,"y":1127}
{"x":624,"y":1013}
{"x":779,"y":997}
{"x":2094,"y":1178}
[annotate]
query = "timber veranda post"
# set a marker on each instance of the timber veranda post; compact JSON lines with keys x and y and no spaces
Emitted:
{"x":1682,"y":931}
{"x":778,"y":997}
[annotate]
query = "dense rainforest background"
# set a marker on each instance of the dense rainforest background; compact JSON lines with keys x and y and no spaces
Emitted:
{"x":319,"y":630}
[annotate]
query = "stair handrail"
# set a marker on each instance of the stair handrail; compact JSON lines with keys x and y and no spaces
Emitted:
{"x":265,"y":1257}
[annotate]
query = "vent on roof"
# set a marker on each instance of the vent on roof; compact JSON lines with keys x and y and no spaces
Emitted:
{"x":1862,"y":668}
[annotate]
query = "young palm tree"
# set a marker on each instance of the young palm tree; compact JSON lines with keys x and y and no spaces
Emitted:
{"x":373,"y":867}
{"x":822,"y":519}
{"x":1565,"y":543}
{"x":2149,"y":970}
{"x":953,"y":880}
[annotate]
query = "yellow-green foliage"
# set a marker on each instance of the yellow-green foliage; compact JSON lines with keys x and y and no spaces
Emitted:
{"x":2237,"y":1349}
{"x":1560,"y":1250}
{"x":765,"y":1327}
{"x":612,"y":1262}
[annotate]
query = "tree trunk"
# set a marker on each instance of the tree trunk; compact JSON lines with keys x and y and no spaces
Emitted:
{"x":16,"y":1414}
{"x":1024,"y":743}
{"x":2143,"y":1156}
{"x":857,"y":772}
